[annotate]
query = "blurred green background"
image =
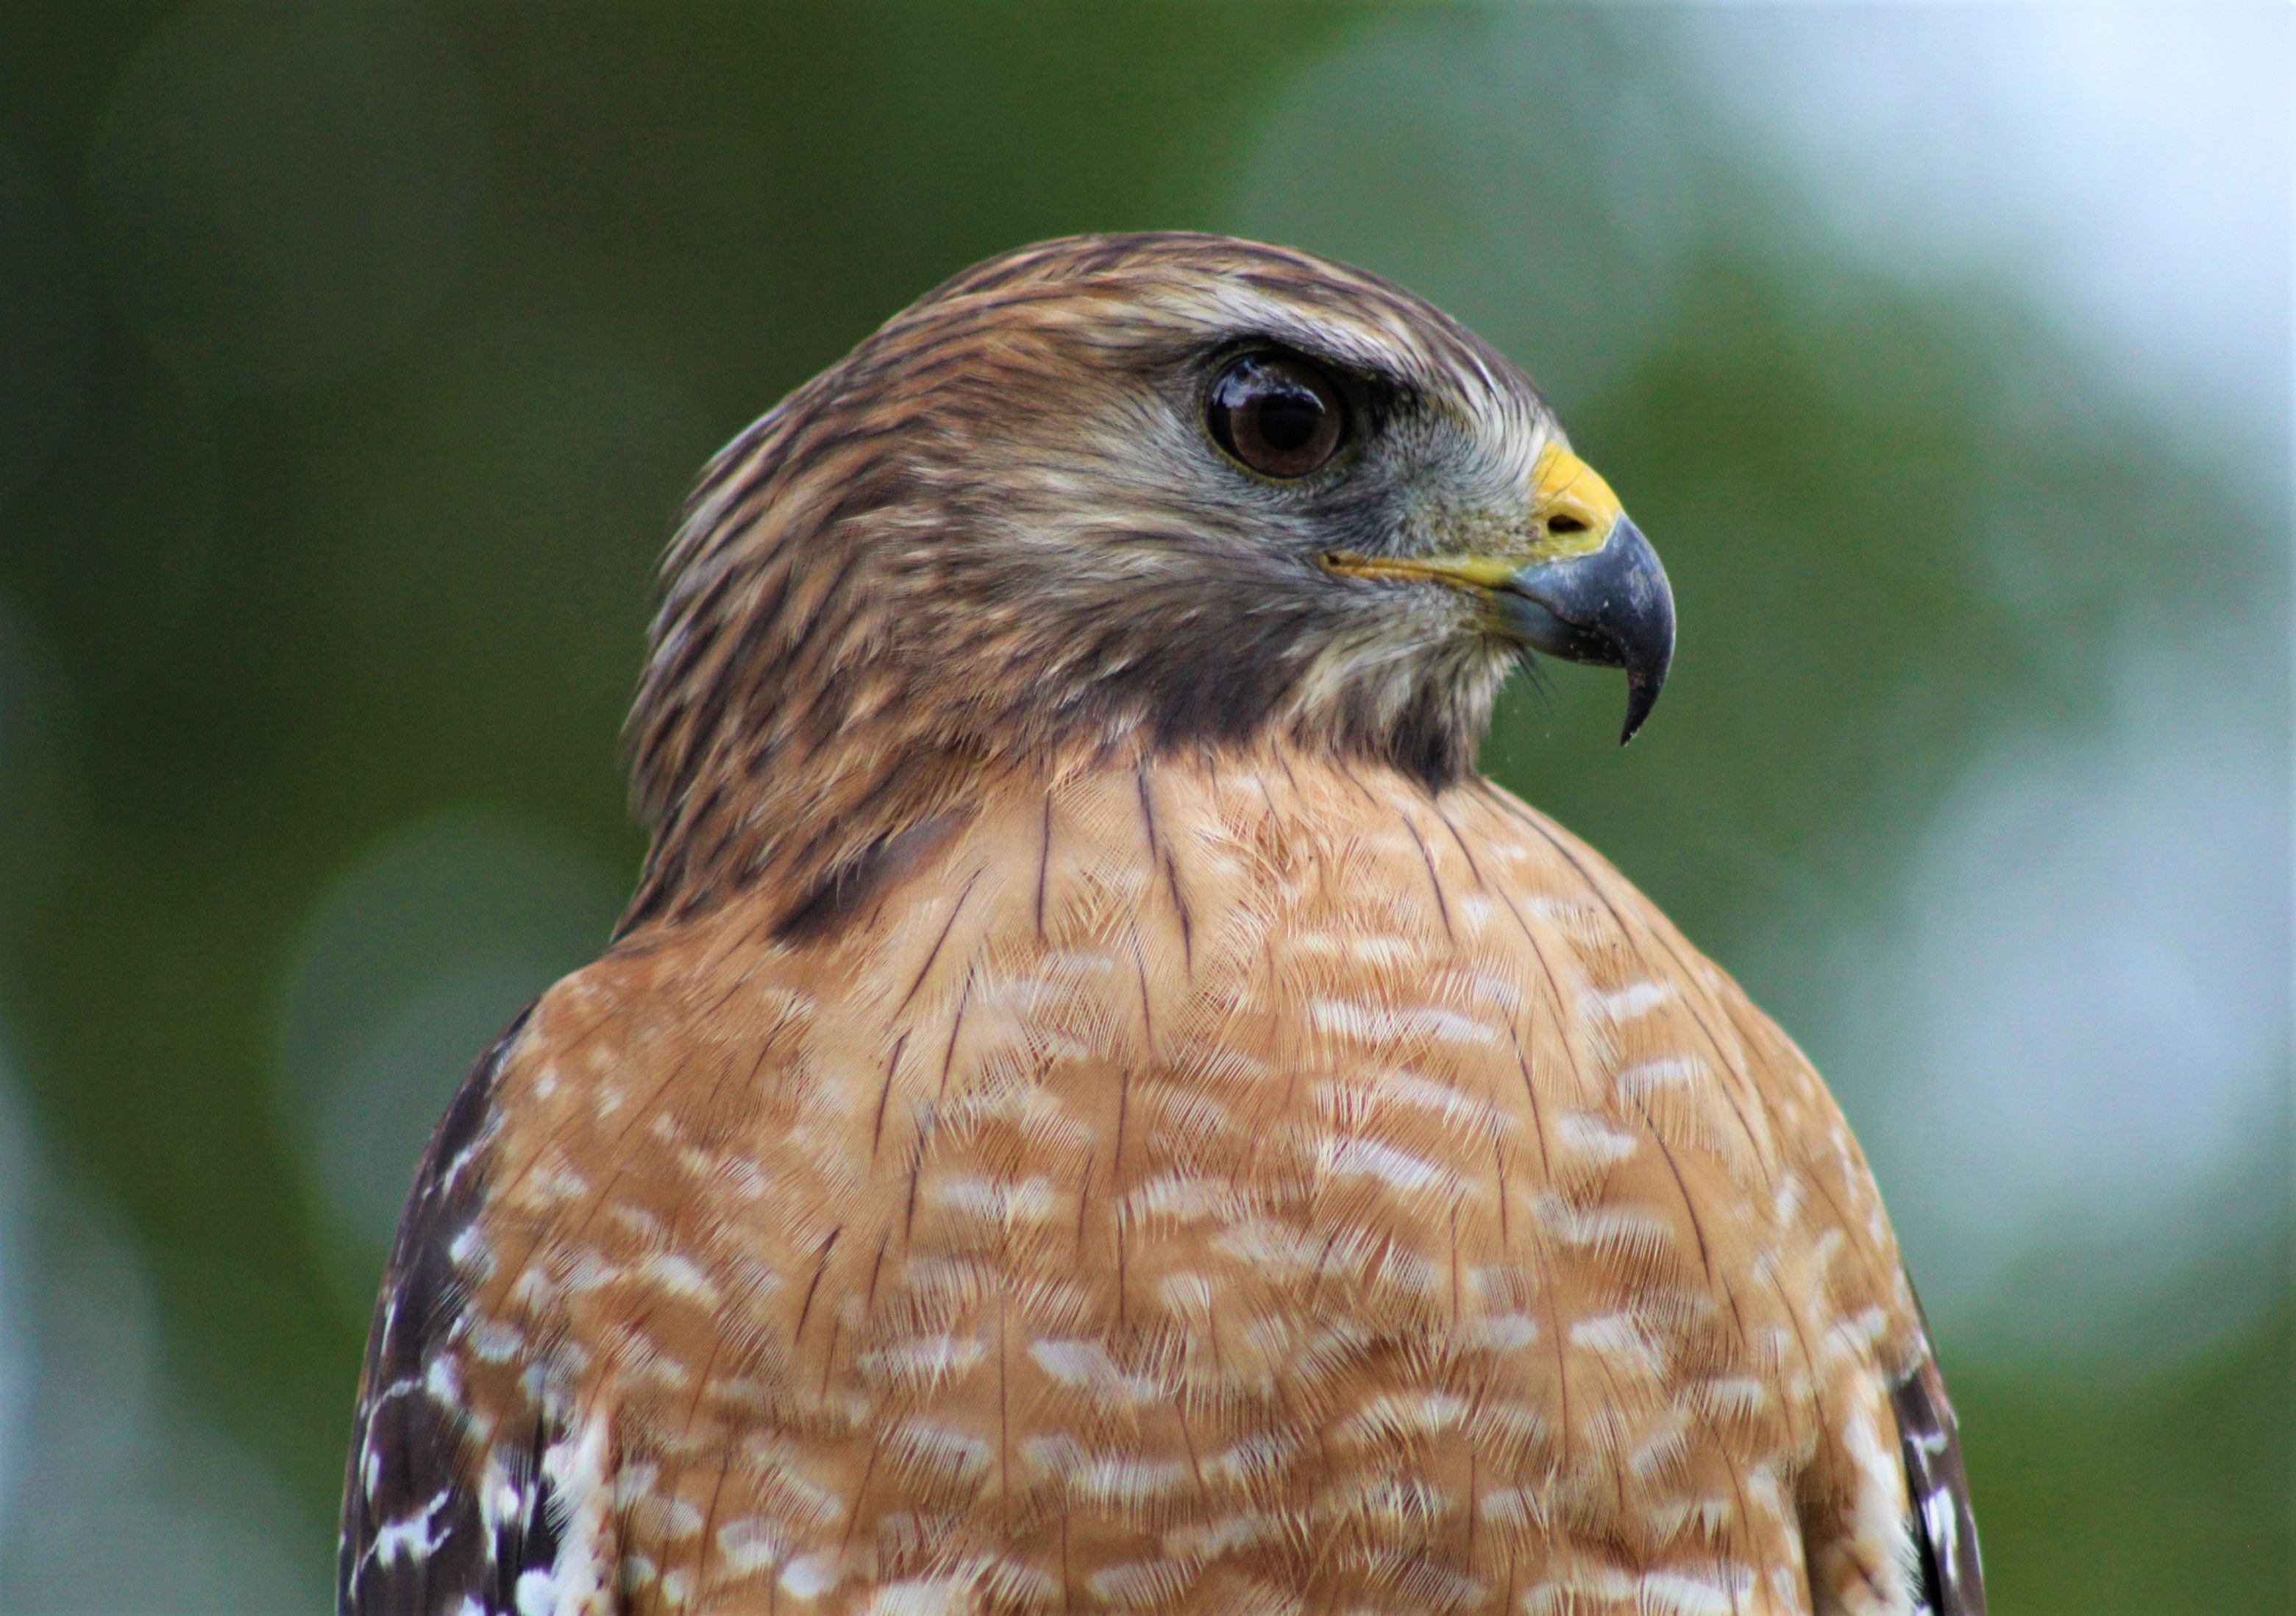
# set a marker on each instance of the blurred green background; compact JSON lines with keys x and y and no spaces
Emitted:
{"x":353,"y":359}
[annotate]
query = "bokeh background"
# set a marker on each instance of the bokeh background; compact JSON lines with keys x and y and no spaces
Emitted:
{"x":353,"y":359}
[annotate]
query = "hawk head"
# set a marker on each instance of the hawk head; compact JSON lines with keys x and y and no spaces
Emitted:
{"x":1141,"y":491}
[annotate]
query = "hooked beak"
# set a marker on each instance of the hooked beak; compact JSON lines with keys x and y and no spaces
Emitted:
{"x":1613,"y":609}
{"x":1590,"y":589}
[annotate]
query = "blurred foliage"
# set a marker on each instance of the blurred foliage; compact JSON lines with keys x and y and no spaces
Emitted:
{"x":2169,"y":1497}
{"x":356,"y":362}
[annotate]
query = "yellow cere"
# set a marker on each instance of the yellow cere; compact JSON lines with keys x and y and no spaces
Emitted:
{"x":1564,"y":487}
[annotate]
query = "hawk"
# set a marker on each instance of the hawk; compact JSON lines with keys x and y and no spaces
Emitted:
{"x":1096,"y":1107}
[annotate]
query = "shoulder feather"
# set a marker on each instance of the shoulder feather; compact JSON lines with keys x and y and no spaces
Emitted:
{"x":435,"y":1523}
{"x":1944,"y":1526}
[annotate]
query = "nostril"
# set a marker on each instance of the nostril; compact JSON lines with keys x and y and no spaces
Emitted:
{"x":1565,"y":524}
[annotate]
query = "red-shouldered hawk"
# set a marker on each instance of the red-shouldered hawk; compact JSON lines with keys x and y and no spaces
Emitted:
{"x":1096,"y":1107}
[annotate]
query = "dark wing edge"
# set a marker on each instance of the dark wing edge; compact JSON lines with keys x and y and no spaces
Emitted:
{"x":420,"y":1536}
{"x":1944,"y":1526}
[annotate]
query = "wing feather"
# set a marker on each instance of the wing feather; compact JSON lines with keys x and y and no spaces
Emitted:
{"x":1944,"y":1527}
{"x":433,"y":1525}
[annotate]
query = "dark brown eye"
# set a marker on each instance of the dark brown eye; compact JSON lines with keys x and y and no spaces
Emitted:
{"x":1280,"y":416}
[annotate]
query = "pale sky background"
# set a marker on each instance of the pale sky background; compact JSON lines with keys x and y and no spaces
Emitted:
{"x":2106,"y":1055}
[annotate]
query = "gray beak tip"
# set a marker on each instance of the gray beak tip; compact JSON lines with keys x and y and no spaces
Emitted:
{"x":1642,"y":695}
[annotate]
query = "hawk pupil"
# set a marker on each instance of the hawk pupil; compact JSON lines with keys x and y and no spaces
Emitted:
{"x":1278,"y":414}
{"x":1287,"y":420}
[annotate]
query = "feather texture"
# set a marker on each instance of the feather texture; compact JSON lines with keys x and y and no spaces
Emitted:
{"x":1235,"y":1182}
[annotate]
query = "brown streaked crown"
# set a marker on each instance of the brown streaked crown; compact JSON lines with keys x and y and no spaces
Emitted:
{"x":998,"y":533}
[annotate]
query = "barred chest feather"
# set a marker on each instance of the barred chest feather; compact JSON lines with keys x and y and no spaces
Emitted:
{"x":1197,"y":1187}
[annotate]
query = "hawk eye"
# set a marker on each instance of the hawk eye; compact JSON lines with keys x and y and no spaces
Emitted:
{"x":1281,"y":416}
